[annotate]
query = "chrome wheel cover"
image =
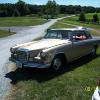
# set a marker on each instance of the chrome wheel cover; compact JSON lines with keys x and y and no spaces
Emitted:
{"x":57,"y":64}
{"x":93,"y":51}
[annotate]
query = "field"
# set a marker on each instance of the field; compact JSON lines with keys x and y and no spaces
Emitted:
{"x":76,"y":81}
{"x":60,"y":25}
{"x":5,"y":33}
{"x":21,"y":21}
{"x":74,"y":20}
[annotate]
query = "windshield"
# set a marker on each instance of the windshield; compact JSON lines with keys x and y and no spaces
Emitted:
{"x":58,"y":34}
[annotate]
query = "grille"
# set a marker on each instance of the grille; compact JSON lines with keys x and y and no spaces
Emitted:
{"x":22,"y":56}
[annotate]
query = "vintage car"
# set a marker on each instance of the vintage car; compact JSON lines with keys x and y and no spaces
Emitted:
{"x":56,"y":48}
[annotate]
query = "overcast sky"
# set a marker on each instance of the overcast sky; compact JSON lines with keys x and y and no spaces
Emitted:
{"x":95,"y":3}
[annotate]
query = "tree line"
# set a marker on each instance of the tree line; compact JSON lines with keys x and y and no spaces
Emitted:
{"x":51,"y":8}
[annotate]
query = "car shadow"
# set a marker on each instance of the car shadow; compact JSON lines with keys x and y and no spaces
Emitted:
{"x":42,"y":75}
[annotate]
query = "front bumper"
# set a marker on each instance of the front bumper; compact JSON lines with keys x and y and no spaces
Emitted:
{"x":20,"y":64}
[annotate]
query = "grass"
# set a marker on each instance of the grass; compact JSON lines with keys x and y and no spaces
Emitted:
{"x":21,"y":21}
{"x":45,"y":16}
{"x":94,"y":33}
{"x":90,"y":15}
{"x":73,"y":20}
{"x":62,"y":15}
{"x":5,"y":33}
{"x":75,"y":82}
{"x":60,"y":25}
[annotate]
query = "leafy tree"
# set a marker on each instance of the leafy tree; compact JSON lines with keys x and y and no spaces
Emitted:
{"x":55,"y":9}
{"x":3,"y":13}
{"x":10,"y":9}
{"x":95,"y":18}
{"x":16,"y":13}
{"x":22,"y":7}
{"x":82,"y":17}
{"x":40,"y":14}
{"x":97,"y":10}
{"x":51,"y":8}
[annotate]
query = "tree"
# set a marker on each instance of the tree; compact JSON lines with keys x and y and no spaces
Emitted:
{"x":82,"y":17}
{"x":55,"y":9}
{"x":16,"y":13}
{"x":51,"y":8}
{"x":22,"y":7}
{"x":95,"y":18}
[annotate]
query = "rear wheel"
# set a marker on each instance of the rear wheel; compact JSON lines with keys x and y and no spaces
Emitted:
{"x":93,"y":52}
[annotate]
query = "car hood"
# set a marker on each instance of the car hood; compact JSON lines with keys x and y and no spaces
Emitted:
{"x":42,"y":44}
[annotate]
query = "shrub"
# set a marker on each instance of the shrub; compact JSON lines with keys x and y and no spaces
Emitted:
{"x":95,"y":18}
{"x":82,"y":17}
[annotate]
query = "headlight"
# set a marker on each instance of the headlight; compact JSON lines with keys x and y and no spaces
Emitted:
{"x":43,"y":55}
{"x":30,"y":58}
{"x":11,"y":50}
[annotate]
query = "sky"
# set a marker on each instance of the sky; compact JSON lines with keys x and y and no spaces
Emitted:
{"x":95,"y":3}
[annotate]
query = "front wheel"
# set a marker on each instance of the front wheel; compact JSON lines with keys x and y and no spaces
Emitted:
{"x":57,"y":63}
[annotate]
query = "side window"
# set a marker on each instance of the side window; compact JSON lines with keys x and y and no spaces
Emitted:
{"x":80,"y":36}
{"x":71,"y":36}
{"x":67,"y":34}
{"x":59,"y":35}
{"x":88,"y":35}
{"x":52,"y":34}
{"x":64,"y":34}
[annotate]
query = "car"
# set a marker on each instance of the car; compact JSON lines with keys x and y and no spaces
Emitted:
{"x":56,"y":48}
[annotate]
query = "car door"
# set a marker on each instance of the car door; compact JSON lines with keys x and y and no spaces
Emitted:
{"x":79,"y":47}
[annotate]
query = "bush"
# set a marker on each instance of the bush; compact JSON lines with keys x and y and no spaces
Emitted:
{"x":16,"y":13}
{"x":95,"y":18}
{"x":82,"y":17}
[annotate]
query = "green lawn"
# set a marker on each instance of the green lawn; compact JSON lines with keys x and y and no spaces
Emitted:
{"x":62,"y":15}
{"x":75,"y":82}
{"x":94,"y":33}
{"x":60,"y":25}
{"x":74,"y":20}
{"x":5,"y":33}
{"x":21,"y":21}
{"x":90,"y":15}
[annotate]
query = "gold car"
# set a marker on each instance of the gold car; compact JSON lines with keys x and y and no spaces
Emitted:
{"x":57,"y":47}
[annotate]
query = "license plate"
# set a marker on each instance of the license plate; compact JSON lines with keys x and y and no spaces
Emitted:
{"x":18,"y":64}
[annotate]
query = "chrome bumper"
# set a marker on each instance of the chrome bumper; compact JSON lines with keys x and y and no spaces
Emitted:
{"x":20,"y":64}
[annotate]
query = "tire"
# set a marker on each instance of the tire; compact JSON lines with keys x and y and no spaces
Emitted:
{"x":57,"y":63}
{"x":93,"y":51}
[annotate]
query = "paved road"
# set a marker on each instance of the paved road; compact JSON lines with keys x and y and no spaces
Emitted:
{"x":25,"y":34}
